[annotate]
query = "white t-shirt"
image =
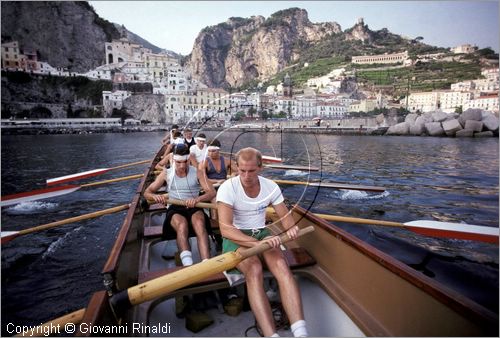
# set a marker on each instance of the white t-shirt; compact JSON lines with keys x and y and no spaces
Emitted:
{"x":200,"y":154}
{"x":249,"y":213}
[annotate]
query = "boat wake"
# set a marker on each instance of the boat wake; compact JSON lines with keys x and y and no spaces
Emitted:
{"x":293,"y":172}
{"x":59,"y":243}
{"x":359,"y":195}
{"x":31,"y":207}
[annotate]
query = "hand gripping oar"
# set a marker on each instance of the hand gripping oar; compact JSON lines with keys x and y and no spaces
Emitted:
{"x":430,"y":228}
{"x":7,"y":236}
{"x":90,"y":173}
{"x":56,"y":191}
{"x":164,"y":285}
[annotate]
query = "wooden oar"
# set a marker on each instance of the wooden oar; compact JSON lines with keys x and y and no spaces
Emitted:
{"x":7,"y":236}
{"x":333,"y":185}
{"x":56,"y":191}
{"x":265,"y":158}
{"x":90,"y":173}
{"x":290,"y":167}
{"x":55,"y":326}
{"x":429,"y":228}
{"x":422,"y":227}
{"x":164,"y":285}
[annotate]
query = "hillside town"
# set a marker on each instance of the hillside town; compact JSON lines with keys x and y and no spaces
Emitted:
{"x":323,"y":98}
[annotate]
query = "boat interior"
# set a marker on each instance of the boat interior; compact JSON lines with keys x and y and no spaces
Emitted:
{"x":348,"y":287}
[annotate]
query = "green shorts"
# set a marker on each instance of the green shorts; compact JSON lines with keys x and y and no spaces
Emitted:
{"x":259,"y":234}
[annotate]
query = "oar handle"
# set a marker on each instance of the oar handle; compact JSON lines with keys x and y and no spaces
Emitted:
{"x":265,"y":246}
{"x":119,"y":179}
{"x":183,"y":203}
{"x":358,"y":220}
{"x":75,"y":219}
{"x":166,"y":284}
{"x":55,"y":326}
{"x":130,"y":164}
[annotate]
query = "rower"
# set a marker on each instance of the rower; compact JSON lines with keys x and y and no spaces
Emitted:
{"x":169,"y":137}
{"x":198,"y":152}
{"x":241,"y":205}
{"x":166,"y":161}
{"x":184,"y":182}
{"x":188,"y":137}
{"x":216,"y":166}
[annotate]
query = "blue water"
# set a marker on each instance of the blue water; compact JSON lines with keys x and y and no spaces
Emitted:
{"x":53,"y":272}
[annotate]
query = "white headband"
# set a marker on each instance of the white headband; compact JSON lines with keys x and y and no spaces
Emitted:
{"x":200,"y":139}
{"x":212,"y":148}
{"x":181,"y":158}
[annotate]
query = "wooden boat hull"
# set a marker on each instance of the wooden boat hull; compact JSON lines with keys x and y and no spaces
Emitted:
{"x":381,"y":295}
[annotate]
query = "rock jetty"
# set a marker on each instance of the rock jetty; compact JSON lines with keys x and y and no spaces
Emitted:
{"x":471,"y":123}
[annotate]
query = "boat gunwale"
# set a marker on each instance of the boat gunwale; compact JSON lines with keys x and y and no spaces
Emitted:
{"x":114,"y":256}
{"x":440,"y":292}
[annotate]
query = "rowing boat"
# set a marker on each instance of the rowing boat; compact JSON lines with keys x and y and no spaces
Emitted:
{"x":348,"y":287}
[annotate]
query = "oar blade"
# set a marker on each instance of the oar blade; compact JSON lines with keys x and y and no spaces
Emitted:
{"x":77,"y":176}
{"x":8,"y":236}
{"x":39,"y":194}
{"x":454,"y":230}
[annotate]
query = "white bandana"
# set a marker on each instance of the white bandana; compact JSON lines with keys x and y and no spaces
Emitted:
{"x":200,"y":139}
{"x":212,"y":148}
{"x":181,"y":158}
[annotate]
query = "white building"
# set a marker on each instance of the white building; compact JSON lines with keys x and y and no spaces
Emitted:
{"x":485,"y":102}
{"x":450,"y":100}
{"x":112,"y":100}
{"x":464,"y":49}
{"x":381,"y":58}
{"x":422,"y":101}
{"x":63,"y":123}
{"x":491,"y":74}
{"x":286,"y":105}
{"x":331,"y":109}
{"x":306,"y":106}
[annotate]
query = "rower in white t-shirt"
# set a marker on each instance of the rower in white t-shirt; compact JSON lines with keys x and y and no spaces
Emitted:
{"x":241,"y":208}
{"x":198,"y":152}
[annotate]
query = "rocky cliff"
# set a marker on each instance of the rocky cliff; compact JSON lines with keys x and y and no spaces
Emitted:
{"x":65,"y":33}
{"x":239,"y":50}
{"x":146,"y":107}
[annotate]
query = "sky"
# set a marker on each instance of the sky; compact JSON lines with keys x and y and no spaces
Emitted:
{"x":174,"y":25}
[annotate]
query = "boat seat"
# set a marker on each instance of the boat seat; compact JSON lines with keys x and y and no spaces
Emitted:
{"x":296,"y":258}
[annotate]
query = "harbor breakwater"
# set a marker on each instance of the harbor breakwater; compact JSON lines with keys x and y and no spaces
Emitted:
{"x":471,"y":123}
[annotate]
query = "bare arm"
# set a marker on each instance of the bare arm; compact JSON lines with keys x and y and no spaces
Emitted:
{"x":192,"y":159}
{"x":231,"y":167}
{"x":162,"y":163}
{"x":150,"y":192}
{"x":207,"y":187}
{"x":286,"y":220}
{"x":228,"y":230}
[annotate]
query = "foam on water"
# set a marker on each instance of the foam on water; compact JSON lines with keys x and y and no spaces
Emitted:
{"x":293,"y":172}
{"x":58,"y":243}
{"x":31,"y":207}
{"x":360,"y":195}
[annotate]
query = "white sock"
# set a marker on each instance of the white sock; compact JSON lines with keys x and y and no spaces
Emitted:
{"x":299,"y":328}
{"x":275,"y":334}
{"x":206,"y":259}
{"x":186,"y":258}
